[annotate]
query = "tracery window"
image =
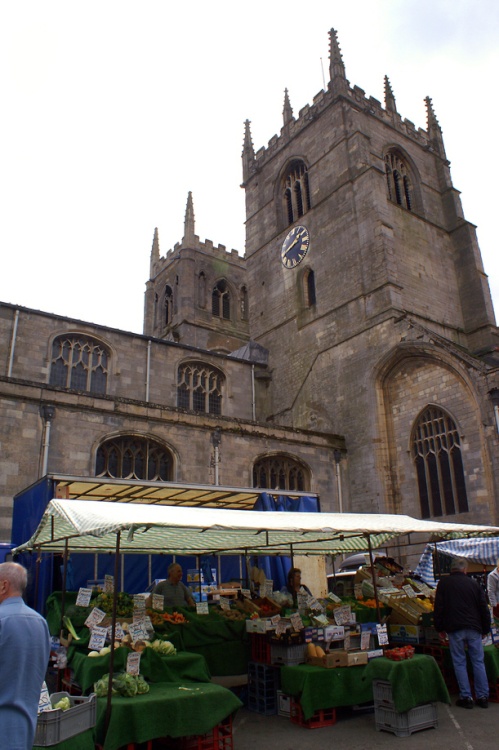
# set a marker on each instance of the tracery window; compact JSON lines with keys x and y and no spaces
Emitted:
{"x":280,"y":472}
{"x":220,"y":300}
{"x":296,"y":191}
{"x":199,"y":388}
{"x":168,"y":303}
{"x":131,"y":457}
{"x":79,"y":363}
{"x":439,"y":464}
{"x":400,"y":190}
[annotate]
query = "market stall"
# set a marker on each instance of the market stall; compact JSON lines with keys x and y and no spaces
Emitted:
{"x":130,"y":528}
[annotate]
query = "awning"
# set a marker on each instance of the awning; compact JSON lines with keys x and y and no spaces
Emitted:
{"x":482,"y":551}
{"x":92,"y":526}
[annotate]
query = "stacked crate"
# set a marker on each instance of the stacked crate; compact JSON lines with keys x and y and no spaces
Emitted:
{"x":401,"y":724}
{"x":263,"y":683}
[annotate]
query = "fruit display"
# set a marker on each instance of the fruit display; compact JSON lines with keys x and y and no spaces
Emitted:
{"x":165,"y":618}
{"x":399,"y":654}
{"x":124,"y":604}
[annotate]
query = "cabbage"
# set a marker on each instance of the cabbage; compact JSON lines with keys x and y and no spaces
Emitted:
{"x":165,"y":648}
{"x":142,"y":686}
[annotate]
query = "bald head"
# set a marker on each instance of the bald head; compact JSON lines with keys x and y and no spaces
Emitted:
{"x":13,"y":580}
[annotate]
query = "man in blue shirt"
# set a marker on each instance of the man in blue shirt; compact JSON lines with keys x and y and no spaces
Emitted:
{"x":25,"y":650}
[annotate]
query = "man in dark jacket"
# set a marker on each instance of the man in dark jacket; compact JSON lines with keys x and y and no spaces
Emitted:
{"x":461,"y":611}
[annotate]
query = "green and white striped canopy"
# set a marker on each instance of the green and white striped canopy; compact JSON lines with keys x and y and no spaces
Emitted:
{"x":92,"y":526}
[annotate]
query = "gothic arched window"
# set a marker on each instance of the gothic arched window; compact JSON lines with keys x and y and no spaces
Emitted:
{"x":131,"y":457}
{"x":439,"y":464}
{"x":220,"y":300}
{"x":168,"y":305}
{"x":280,"y":473}
{"x":199,"y":388}
{"x":80,"y":363}
{"x":296,"y":191}
{"x":398,"y":180}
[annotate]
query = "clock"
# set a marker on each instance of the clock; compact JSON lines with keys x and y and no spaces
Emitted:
{"x":295,"y":246}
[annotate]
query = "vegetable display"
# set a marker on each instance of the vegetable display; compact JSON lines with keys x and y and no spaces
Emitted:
{"x":63,"y":704}
{"x":123,"y":684}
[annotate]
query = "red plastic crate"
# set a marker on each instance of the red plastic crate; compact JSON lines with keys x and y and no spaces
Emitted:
{"x":220,"y":738}
{"x":324,"y":717}
{"x":260,"y":648}
{"x":494,"y":692}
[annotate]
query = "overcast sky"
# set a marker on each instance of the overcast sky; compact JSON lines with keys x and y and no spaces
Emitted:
{"x":111,"y":111}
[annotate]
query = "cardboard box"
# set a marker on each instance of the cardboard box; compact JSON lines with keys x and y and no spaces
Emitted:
{"x":339,"y":658}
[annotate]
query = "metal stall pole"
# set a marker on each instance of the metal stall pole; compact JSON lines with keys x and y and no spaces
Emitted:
{"x":113,"y":633}
{"x":375,"y":585}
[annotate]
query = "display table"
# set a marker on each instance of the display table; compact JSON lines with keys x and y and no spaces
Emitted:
{"x":223,"y":643}
{"x":414,"y":681}
{"x":153,"y":666}
{"x":168,"y":710}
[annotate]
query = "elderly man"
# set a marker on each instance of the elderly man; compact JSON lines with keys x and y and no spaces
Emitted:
{"x":461,"y":611}
{"x":175,"y":593}
{"x":25,"y":650}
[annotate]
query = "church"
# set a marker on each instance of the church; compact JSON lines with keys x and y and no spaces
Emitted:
{"x":351,"y":352}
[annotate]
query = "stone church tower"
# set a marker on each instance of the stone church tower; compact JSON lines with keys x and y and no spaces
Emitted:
{"x":366,"y":286}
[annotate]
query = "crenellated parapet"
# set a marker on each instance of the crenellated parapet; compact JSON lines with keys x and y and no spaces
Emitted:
{"x":337,"y":89}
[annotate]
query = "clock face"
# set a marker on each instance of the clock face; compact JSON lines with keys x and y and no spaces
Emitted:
{"x":295,"y":246}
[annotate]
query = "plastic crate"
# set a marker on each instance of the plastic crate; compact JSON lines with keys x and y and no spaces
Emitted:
{"x":266,"y":705}
{"x":324,"y":717}
{"x":260,"y":648}
{"x":220,"y":738}
{"x":290,"y":656}
{"x":263,"y":676}
{"x":382,"y":692}
{"x":404,"y":724}
{"x":55,"y":725}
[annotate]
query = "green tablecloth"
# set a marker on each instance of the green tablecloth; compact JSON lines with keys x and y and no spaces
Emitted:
{"x":414,"y":681}
{"x":223,"y":643}
{"x":155,"y":668}
{"x":168,"y":710}
{"x":82,"y":741}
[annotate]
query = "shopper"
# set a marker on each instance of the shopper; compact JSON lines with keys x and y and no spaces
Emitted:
{"x":175,"y":593}
{"x":25,"y":650}
{"x":461,"y":611}
{"x":493,"y":591}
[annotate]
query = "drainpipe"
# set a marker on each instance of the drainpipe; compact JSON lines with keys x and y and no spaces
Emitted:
{"x":216,"y":439}
{"x":253,"y":405}
{"x":13,"y":344}
{"x":148,"y":370}
{"x":47,"y":414}
{"x":337,"y":458}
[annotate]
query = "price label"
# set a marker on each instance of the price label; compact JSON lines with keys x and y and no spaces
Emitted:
{"x":83,"y":597}
{"x":314,"y":605}
{"x":95,"y":617}
{"x":133,"y":662}
{"x":109,"y":584}
{"x":409,"y":591}
{"x":274,"y":620}
{"x":44,"y":703}
{"x":158,"y":602}
{"x":246,"y":593}
{"x":267,"y":589}
{"x":333,"y":598}
{"x":224,"y":603}
{"x":302,"y":600}
{"x":202,"y":608}
{"x":382,"y":634}
{"x":119,"y":633}
{"x":139,"y":603}
{"x":281,"y":626}
{"x":365,"y":640}
{"x":97,"y":638}
{"x":296,"y":622}
{"x":137,"y":630}
{"x":342,"y":615}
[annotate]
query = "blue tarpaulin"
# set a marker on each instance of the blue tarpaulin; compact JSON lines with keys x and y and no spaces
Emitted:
{"x":483,"y":551}
{"x":276,"y":568}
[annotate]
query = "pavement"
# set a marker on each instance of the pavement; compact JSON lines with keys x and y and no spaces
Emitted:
{"x":458,"y":729}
